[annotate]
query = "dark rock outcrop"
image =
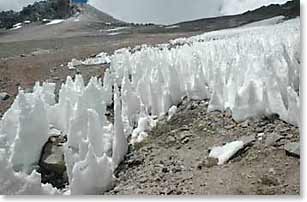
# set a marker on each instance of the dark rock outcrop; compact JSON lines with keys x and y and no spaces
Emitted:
{"x":51,"y":163}
{"x":50,"y":9}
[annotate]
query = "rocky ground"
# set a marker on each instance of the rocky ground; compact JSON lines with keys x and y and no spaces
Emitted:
{"x":174,"y":158}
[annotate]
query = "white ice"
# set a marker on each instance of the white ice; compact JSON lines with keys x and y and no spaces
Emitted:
{"x":54,"y":22}
{"x":224,"y":153}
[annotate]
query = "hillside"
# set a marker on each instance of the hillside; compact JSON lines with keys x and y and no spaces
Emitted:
{"x":50,"y":9}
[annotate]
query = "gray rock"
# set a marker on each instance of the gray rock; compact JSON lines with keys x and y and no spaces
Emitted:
{"x":4,"y":96}
{"x":269,"y":180}
{"x":259,"y":129}
{"x":171,"y":139}
{"x":208,"y":163}
{"x":293,"y":149}
{"x":248,"y":140}
{"x":244,"y":124}
{"x":165,"y":170}
{"x":51,"y":163}
{"x":185,"y":140}
{"x":53,"y":155}
{"x":272,"y":138}
{"x":230,"y":126}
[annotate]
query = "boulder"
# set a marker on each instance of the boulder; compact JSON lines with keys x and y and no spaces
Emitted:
{"x":292,"y":149}
{"x":52,"y":164}
{"x":4,"y":96}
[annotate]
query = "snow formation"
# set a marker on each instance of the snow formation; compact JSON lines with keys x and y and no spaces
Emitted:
{"x":252,"y":71}
{"x":101,"y":58}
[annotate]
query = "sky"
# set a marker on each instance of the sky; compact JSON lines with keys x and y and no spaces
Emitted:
{"x":162,"y":11}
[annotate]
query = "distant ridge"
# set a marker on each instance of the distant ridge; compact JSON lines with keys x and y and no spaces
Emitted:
{"x":290,"y":9}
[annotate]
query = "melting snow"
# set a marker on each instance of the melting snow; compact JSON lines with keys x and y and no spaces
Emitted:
{"x":117,"y":29}
{"x":54,"y":22}
{"x":172,"y":27}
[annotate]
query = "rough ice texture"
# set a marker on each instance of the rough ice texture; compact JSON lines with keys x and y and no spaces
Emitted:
{"x":248,"y":70}
{"x":101,"y":58}
{"x":252,"y":71}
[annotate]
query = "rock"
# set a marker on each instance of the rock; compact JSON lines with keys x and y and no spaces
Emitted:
{"x":171,"y":139}
{"x":293,"y":149}
{"x":184,"y":128}
{"x":51,"y":162}
{"x":226,"y":152}
{"x":164,"y":170}
{"x":185,"y":140}
{"x":184,"y":135}
{"x":248,"y":140}
{"x":4,"y":96}
{"x":272,"y":171}
{"x":259,"y":129}
{"x":269,"y":180}
{"x":135,"y":161}
{"x":176,"y":169}
{"x":229,"y":126}
{"x":260,"y":136}
{"x":244,"y":124}
{"x":272,"y":138}
{"x":208,"y":163}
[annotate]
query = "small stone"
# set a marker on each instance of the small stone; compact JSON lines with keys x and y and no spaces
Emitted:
{"x":185,"y":140}
{"x":208,"y":162}
{"x":176,"y":170}
{"x":4,"y":96}
{"x":244,"y":124}
{"x":272,"y":138}
{"x":293,"y":149}
{"x":248,"y":140}
{"x":164,"y":170}
{"x":229,"y":126}
{"x":143,"y":180}
{"x":259,"y":129}
{"x":211,"y":162}
{"x":269,"y":180}
{"x":171,"y":139}
{"x":272,"y":171}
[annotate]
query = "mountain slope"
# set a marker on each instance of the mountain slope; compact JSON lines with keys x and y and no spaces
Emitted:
{"x":290,"y":9}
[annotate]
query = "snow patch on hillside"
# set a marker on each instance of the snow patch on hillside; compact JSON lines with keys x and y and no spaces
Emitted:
{"x":56,"y":21}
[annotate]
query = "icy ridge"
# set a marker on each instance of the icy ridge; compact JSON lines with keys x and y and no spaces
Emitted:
{"x":252,"y":71}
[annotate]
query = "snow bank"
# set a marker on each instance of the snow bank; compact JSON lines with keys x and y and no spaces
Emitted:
{"x":101,"y":58}
{"x":252,"y":71}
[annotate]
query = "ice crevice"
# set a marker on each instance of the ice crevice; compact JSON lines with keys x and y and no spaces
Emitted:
{"x":252,"y":71}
